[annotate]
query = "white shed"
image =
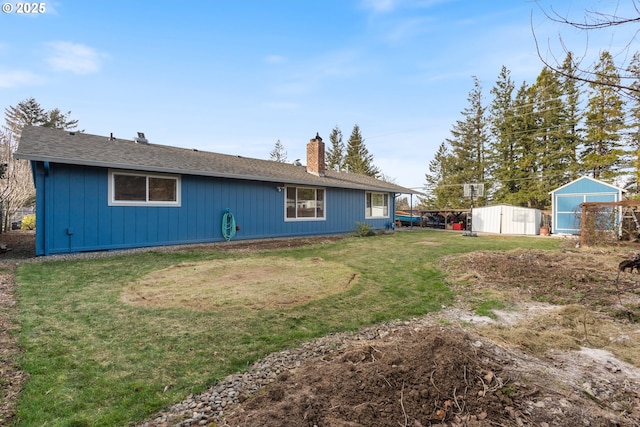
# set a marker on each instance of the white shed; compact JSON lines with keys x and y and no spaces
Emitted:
{"x":506,"y":219}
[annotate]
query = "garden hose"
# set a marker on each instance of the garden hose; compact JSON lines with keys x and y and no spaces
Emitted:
{"x":228,"y":225}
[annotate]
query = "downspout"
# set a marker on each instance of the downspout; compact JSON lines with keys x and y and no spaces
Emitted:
{"x":411,"y":209}
{"x":46,"y":169}
{"x":393,"y":216}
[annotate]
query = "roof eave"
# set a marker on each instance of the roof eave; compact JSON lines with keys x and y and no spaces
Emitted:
{"x":326,"y":181}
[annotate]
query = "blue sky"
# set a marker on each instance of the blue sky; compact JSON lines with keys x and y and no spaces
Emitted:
{"x":235,"y":76}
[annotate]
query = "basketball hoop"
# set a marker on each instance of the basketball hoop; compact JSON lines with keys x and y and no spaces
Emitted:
{"x":471,"y":191}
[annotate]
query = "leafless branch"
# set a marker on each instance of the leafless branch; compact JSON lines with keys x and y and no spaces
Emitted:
{"x":593,"y":21}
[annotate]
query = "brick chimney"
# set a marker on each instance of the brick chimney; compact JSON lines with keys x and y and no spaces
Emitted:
{"x":315,"y":156}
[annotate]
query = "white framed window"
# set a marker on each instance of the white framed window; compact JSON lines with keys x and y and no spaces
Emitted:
{"x":141,"y":189}
{"x":376,"y":205}
{"x":304,"y":204}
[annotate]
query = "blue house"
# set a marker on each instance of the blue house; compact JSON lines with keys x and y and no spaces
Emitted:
{"x":566,"y":201}
{"x":98,"y":193}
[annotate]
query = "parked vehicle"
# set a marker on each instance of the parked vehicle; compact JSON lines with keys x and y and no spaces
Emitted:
{"x":406,"y":219}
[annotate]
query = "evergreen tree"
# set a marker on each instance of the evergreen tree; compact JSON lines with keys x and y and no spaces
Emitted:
{"x":26,"y":113}
{"x":468,"y":145}
{"x":503,"y":149}
{"x":335,"y":153}
{"x":16,"y":187}
{"x":573,"y":116}
{"x":58,"y":120}
{"x":278,"y":154}
{"x":603,"y":154}
{"x":30,"y":113}
{"x":634,"y":135}
{"x":549,"y":137}
{"x":358,"y":159}
{"x":440,"y":192}
{"x":526,"y":150}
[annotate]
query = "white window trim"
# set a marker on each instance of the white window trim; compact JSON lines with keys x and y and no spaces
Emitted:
{"x":113,"y":202}
{"x":315,"y":218}
{"x":388,"y":215}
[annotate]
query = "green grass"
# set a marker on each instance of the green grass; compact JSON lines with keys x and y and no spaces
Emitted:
{"x":486,"y":307}
{"x":94,"y":360}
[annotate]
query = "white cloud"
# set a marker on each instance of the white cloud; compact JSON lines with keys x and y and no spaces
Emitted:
{"x":408,"y":29}
{"x":381,"y":5}
{"x":295,"y":86}
{"x":74,"y":57}
{"x":386,"y":6}
{"x":275,"y":59}
{"x":16,"y":78}
{"x":307,"y":75}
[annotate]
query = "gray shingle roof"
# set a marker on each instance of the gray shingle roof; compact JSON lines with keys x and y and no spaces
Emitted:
{"x":59,"y":146}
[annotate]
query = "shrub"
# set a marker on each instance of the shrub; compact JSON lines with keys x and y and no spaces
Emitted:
{"x":28,"y":222}
{"x":363,"y":229}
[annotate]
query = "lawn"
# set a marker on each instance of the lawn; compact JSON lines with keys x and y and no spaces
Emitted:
{"x":110,"y":341}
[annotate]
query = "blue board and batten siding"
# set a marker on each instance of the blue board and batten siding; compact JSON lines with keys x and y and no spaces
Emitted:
{"x":567,"y":199}
{"x":73,"y":213}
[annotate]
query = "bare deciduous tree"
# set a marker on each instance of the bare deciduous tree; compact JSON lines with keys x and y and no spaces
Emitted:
{"x":16,"y":186}
{"x":591,"y":21}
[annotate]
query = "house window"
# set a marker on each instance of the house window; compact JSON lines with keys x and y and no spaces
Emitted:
{"x":377,"y":205}
{"x":135,"y":189}
{"x":304,"y":203}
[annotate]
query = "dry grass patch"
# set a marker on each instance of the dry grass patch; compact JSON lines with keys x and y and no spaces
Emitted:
{"x":570,"y":328}
{"x":427,"y":243}
{"x":249,"y":283}
{"x":592,"y":309}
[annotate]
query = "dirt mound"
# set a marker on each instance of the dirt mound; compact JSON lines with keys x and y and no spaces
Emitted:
{"x":414,"y":378}
{"x":436,"y":376}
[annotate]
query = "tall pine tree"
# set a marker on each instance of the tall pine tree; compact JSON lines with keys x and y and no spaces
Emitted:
{"x":603,"y":153}
{"x":527,"y":154}
{"x":335,"y":153}
{"x":358,"y":159}
{"x":16,"y":187}
{"x":278,"y":154}
{"x":440,"y":193}
{"x":468,"y":143}
{"x":30,"y":113}
{"x":503,"y":150}
{"x":634,"y":134}
{"x":573,"y":117}
{"x":548,"y":137}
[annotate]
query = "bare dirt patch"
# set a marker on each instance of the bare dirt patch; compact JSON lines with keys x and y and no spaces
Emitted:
{"x":421,"y":374}
{"x":579,"y":296}
{"x":564,"y":352}
{"x":252,"y":283}
{"x":19,"y":245}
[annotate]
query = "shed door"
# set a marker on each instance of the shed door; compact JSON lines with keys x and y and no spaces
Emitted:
{"x":568,"y":212}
